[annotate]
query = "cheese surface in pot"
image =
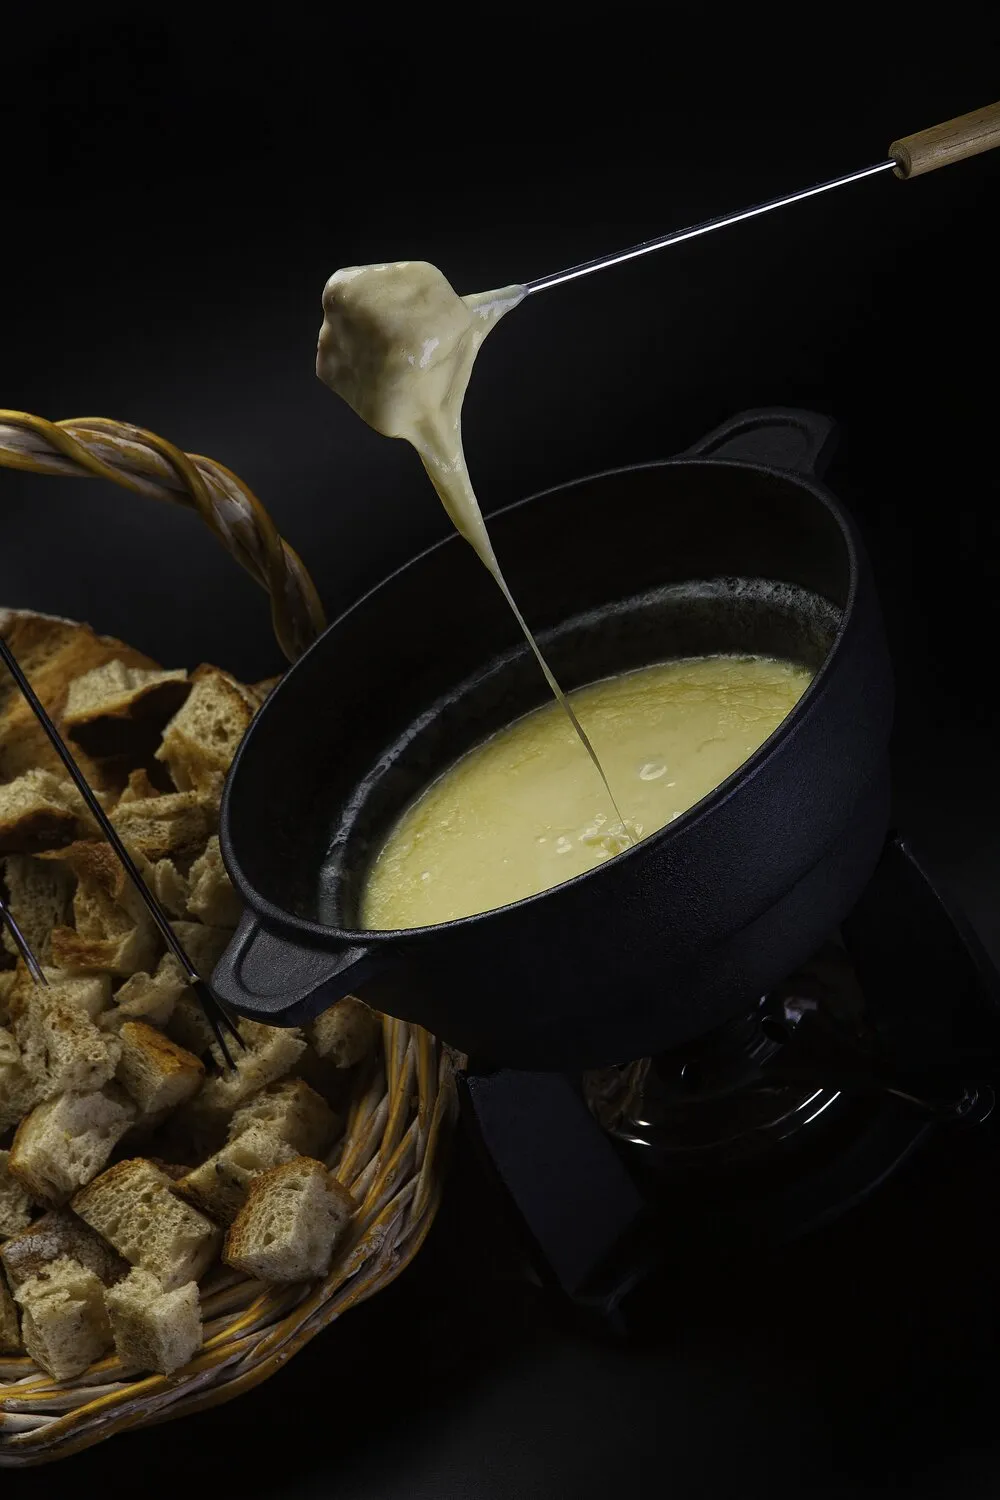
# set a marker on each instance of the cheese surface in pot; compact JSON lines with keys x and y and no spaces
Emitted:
{"x":522,"y":812}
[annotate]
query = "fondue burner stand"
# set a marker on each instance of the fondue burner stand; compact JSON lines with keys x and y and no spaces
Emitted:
{"x":768,"y":1128}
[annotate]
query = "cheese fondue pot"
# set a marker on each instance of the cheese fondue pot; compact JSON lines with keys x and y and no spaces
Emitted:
{"x":735,"y":546}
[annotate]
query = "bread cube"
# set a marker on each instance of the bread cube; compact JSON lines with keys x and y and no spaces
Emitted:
{"x":53,"y":1236}
{"x":61,"y":1048}
{"x":287,"y":1229}
{"x":212,"y":897}
{"x":19,"y":1092}
{"x":293,"y":1112}
{"x":157,"y":1073}
{"x":345,"y":1033}
{"x":64,"y":1142}
{"x":10,"y":1332}
{"x":271,"y":1052}
{"x":64,"y":1323}
{"x":133,"y":1206}
{"x":154,"y":1329}
{"x":15,"y":1205}
{"x":221,"y":1183}
{"x":147,"y":997}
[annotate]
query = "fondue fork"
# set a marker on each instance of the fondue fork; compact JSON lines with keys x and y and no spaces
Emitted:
{"x":21,"y":944}
{"x":215,"y":1012}
{"x":910,"y":156}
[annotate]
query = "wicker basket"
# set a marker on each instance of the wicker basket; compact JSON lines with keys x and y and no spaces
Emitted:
{"x":399,"y":1116}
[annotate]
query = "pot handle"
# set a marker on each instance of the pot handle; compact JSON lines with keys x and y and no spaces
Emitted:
{"x":268,"y":977}
{"x":782,"y":437}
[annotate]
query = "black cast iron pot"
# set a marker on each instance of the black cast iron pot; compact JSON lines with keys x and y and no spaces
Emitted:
{"x":733,"y":546}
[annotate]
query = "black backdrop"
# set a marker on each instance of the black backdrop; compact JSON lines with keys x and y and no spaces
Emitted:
{"x":177,"y":193}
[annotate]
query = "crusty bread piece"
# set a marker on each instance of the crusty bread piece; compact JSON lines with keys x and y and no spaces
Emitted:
{"x":64,"y":1323}
{"x":293,"y":1112}
{"x":52,"y":653}
{"x":117,"y":710}
{"x":91,"y":993}
{"x":220,"y":1184}
{"x":40,"y":897}
{"x":212,"y":898}
{"x":40,"y":810}
{"x":154,"y":1329}
{"x":157,"y":1073}
{"x":61,"y":1048}
{"x":113,"y":929}
{"x":263,"y":689}
{"x":200,"y":741}
{"x":64,"y":1142}
{"x":345,"y":1033}
{"x":18,"y":1089}
{"x":138,"y":788}
{"x":287,"y":1229}
{"x":188,"y":1024}
{"x":56,"y":1234}
{"x":133,"y":1206}
{"x":147,"y":997}
{"x":270,"y":1053}
{"x":170,"y":887}
{"x":8,"y":978}
{"x":175,"y":825}
{"x":204,"y":946}
{"x":10,"y":1333}
{"x":15,"y":1205}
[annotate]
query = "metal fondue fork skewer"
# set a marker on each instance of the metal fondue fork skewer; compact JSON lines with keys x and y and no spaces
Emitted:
{"x":21,"y":943}
{"x":910,"y":156}
{"x":602,"y":262}
{"x":214,"y":1010}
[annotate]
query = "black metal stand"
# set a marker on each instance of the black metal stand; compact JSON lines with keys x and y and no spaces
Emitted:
{"x":594,"y":1230}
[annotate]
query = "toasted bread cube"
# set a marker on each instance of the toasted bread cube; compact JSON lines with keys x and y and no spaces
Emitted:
{"x":40,"y":898}
{"x":114,"y":709}
{"x":189,"y":1026}
{"x":65,"y":1141}
{"x":174,"y":826}
{"x":15,"y":1205}
{"x":293,"y":1112}
{"x":133,"y":1206}
{"x":8,"y":978}
{"x":287,"y":1229}
{"x":157,"y":1073}
{"x":201,"y":739}
{"x":60,"y":1046}
{"x":10,"y":1332}
{"x":154,"y":1329}
{"x":40,"y":811}
{"x":212,"y":898}
{"x":147,"y":997}
{"x":170,"y":887}
{"x":220,"y":1185}
{"x":112,"y":929}
{"x":345,"y":1033}
{"x":138,"y":788}
{"x":271,"y":1052}
{"x":57,"y":1234}
{"x":204,"y":946}
{"x":18,"y":1090}
{"x":64,"y":1323}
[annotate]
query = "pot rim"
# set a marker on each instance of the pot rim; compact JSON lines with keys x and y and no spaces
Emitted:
{"x":277,"y":917}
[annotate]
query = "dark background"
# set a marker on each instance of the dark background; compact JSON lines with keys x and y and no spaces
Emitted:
{"x":177,"y":193}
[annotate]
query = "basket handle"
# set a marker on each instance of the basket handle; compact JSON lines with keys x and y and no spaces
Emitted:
{"x":96,"y":447}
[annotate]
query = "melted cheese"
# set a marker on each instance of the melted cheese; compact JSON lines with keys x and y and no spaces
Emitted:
{"x":522,"y":812}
